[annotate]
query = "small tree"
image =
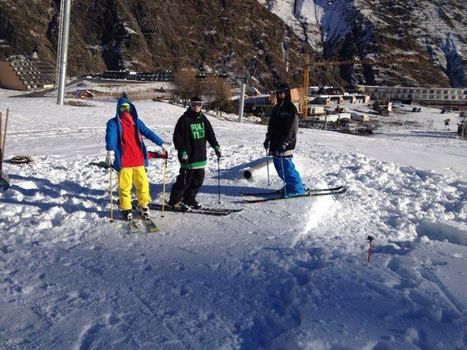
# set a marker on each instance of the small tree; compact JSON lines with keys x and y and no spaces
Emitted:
{"x":217,"y":93}
{"x":186,"y":84}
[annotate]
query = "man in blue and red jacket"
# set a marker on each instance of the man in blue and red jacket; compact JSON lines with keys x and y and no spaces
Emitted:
{"x":127,"y":154}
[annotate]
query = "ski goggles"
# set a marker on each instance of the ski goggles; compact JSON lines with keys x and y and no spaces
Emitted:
{"x":125,"y":107}
{"x":196,"y":104}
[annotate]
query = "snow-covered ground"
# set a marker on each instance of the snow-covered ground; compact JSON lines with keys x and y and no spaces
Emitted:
{"x":283,"y":275}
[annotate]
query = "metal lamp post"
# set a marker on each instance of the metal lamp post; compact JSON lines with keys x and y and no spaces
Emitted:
{"x":62,"y":49}
{"x":242,"y":100}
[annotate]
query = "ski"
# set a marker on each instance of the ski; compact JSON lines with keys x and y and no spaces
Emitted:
{"x":204,"y":211}
{"x":131,"y":224}
{"x":133,"y":227}
{"x":150,"y":225}
{"x":147,"y":221}
{"x":308,"y":190}
{"x":307,"y":194}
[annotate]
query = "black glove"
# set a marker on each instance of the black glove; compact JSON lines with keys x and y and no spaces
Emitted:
{"x":266,"y":144}
{"x":284,"y":147}
{"x":218,"y":152}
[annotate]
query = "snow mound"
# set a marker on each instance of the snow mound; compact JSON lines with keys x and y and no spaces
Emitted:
{"x":451,"y":232}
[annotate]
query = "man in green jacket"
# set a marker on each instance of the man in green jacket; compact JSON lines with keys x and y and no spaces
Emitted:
{"x":192,"y":131}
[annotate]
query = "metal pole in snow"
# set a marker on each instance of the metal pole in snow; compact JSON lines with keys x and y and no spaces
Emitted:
{"x":242,"y":101}
{"x":63,"y":50}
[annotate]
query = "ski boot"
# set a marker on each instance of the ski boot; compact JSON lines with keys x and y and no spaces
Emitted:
{"x":180,"y":206}
{"x":193,"y":205}
{"x":127,"y":215}
{"x":144,"y":212}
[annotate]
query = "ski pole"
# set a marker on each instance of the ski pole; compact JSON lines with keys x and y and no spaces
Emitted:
{"x":4,"y":132}
{"x":267,"y":167}
{"x":111,"y":196}
{"x":370,"y":246}
{"x":1,"y":143}
{"x":283,"y":176}
{"x":219,"y":179}
{"x":4,"y":180}
{"x":3,"y":138}
{"x":163,"y":187}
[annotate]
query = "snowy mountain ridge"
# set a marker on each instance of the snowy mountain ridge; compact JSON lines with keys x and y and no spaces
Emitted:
{"x":350,"y":29}
{"x":147,"y":35}
{"x":269,"y":37}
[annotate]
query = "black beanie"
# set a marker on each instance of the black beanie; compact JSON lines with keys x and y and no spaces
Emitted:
{"x":283,"y":87}
{"x":196,"y":99}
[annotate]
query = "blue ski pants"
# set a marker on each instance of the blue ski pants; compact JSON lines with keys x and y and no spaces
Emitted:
{"x":288,"y":173}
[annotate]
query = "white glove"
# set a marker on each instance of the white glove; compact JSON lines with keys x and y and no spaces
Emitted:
{"x":109,"y":159}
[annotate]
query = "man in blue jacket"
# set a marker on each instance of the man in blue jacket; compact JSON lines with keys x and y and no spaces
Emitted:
{"x":126,"y":153}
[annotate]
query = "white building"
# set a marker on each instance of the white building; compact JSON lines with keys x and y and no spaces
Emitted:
{"x":424,"y":95}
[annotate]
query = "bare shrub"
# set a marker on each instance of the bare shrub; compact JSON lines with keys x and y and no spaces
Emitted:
{"x":186,"y":84}
{"x":217,"y":93}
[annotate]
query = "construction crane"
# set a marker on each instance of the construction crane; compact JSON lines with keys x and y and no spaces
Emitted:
{"x":306,"y":72}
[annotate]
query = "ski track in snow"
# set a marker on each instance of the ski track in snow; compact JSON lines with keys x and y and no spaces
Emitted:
{"x":287,"y":274}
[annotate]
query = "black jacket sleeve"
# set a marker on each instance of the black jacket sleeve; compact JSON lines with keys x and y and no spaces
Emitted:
{"x":180,"y":136}
{"x":290,"y":132}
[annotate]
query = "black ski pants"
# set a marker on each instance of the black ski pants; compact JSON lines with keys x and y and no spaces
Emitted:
{"x":187,"y":186}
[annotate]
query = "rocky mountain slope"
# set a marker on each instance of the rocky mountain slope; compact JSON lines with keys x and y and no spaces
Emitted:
{"x":266,"y":38}
{"x":434,"y":30}
{"x":145,"y":35}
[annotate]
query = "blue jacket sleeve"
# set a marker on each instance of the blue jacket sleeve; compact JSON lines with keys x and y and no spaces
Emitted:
{"x":111,"y":136}
{"x":148,"y":133}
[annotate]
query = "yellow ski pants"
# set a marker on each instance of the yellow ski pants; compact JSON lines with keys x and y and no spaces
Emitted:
{"x":126,"y":178}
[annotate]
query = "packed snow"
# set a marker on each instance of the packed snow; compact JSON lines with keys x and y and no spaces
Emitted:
{"x":289,"y":274}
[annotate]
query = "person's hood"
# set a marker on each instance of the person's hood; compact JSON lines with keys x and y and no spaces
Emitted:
{"x":123,"y":100}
